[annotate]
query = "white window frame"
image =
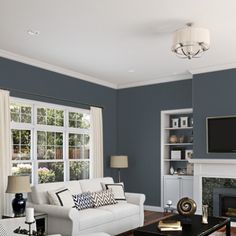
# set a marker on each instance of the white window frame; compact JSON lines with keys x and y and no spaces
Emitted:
{"x":65,"y":129}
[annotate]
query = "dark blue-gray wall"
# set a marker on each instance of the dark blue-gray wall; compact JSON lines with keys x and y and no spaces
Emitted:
{"x":214,"y":94}
{"x":33,"y":80}
{"x":132,"y":116}
{"x":139,"y":132}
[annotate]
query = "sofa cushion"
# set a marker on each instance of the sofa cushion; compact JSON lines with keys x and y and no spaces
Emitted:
{"x":121,"y":210}
{"x":90,"y":218}
{"x":103,"y":198}
{"x":94,"y":185}
{"x":39,"y":194}
{"x":74,"y":186}
{"x":83,"y":201}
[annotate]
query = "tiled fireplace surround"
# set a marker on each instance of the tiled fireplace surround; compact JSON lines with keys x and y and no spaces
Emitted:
{"x":211,"y":168}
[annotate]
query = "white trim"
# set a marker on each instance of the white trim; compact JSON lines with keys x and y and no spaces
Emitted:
{"x":213,"y":161}
{"x":54,"y":68}
{"x":34,"y":128}
{"x":165,"y":123}
{"x":91,"y":79}
{"x":47,"y":105}
{"x":153,"y":208}
{"x":213,"y":68}
{"x":159,"y":80}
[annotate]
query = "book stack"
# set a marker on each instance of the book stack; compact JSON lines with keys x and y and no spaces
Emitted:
{"x":169,"y":225}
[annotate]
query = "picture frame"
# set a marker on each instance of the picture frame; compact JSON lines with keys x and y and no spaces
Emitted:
{"x":175,"y":155}
{"x":188,"y":154}
{"x":189,"y":170}
{"x":175,"y":123}
{"x":184,"y":122}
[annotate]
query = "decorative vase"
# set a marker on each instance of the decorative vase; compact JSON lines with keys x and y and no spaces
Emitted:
{"x":173,"y":139}
{"x":18,"y":205}
{"x":181,"y":139}
{"x":172,"y":171}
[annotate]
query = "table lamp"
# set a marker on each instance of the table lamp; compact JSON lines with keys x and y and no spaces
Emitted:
{"x":119,"y":162}
{"x":18,"y":185}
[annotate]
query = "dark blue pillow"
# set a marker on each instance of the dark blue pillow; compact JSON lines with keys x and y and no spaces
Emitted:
{"x":83,"y":201}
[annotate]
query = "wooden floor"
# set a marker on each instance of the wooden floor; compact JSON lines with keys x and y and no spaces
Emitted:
{"x":149,"y":218}
{"x":152,"y":217}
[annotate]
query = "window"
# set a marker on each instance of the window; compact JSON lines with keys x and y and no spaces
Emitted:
{"x":51,"y":143}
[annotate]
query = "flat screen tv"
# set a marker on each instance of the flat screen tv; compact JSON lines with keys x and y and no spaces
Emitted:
{"x":221,"y":135}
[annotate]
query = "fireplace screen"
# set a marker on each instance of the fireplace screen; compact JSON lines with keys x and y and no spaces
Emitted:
{"x":224,"y":202}
{"x":228,"y":206}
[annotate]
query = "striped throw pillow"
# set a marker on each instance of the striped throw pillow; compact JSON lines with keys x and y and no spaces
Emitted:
{"x":103,"y":198}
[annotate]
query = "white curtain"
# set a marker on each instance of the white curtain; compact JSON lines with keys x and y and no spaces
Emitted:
{"x":5,"y":150}
{"x":96,"y":142}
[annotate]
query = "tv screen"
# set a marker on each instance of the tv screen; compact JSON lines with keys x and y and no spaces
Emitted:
{"x":221,"y":134}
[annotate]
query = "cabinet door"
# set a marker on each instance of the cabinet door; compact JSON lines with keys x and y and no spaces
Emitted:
{"x":187,"y":187}
{"x":171,"y":189}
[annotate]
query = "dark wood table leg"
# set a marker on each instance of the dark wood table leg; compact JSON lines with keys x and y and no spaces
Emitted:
{"x":228,"y":233}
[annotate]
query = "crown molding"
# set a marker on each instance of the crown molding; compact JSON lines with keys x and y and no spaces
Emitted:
{"x":160,"y":80}
{"x":57,"y":69}
{"x":77,"y":75}
{"x":213,"y":68}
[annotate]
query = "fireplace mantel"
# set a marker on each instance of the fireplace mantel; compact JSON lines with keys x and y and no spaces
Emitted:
{"x":218,"y":168}
{"x":213,"y":161}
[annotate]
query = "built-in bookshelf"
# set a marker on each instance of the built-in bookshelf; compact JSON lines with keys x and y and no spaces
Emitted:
{"x":176,"y":141}
{"x":176,"y":150}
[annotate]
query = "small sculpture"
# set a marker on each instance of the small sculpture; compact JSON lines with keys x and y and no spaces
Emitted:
{"x":186,"y":207}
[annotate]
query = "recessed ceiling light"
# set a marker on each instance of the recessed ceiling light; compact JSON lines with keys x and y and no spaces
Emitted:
{"x":33,"y":32}
{"x":131,"y":71}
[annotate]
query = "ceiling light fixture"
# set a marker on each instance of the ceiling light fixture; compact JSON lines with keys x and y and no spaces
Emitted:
{"x":190,"y":42}
{"x":33,"y":32}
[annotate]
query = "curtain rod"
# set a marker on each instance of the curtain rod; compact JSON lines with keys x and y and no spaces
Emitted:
{"x":52,"y":97}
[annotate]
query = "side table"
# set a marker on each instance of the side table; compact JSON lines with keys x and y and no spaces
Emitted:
{"x":41,"y":222}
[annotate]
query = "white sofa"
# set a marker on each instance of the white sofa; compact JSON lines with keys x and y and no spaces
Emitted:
{"x":111,"y":219}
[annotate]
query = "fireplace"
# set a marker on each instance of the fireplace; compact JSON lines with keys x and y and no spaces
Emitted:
{"x":224,"y":202}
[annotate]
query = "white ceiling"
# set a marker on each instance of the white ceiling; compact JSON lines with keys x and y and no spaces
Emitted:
{"x":101,"y":40}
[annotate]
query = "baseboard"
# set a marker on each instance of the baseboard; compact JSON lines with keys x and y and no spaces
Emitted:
{"x":153,"y":208}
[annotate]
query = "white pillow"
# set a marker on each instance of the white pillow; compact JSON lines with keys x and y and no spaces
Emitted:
{"x":117,"y":190}
{"x":61,"y":197}
{"x":104,"y":185}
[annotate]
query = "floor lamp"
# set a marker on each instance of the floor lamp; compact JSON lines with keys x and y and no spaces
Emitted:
{"x":119,"y":162}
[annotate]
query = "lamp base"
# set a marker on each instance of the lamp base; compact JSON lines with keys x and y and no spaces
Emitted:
{"x":18,"y":205}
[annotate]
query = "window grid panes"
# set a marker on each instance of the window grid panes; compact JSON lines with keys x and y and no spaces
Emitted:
{"x":20,"y":113}
{"x":21,"y":144}
{"x":47,"y":116}
{"x":46,"y":147}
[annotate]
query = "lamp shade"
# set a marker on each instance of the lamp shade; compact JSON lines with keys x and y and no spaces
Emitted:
{"x":18,"y":184}
{"x":191,"y":42}
{"x":119,"y":162}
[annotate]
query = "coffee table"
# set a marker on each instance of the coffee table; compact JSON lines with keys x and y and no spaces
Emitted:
{"x":194,"y":229}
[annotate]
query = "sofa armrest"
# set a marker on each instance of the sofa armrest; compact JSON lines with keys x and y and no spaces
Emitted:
{"x":135,"y":198}
{"x":57,"y":211}
{"x":61,"y":219}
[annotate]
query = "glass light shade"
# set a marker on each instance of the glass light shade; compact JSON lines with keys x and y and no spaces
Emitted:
{"x":119,"y":162}
{"x":191,"y":42}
